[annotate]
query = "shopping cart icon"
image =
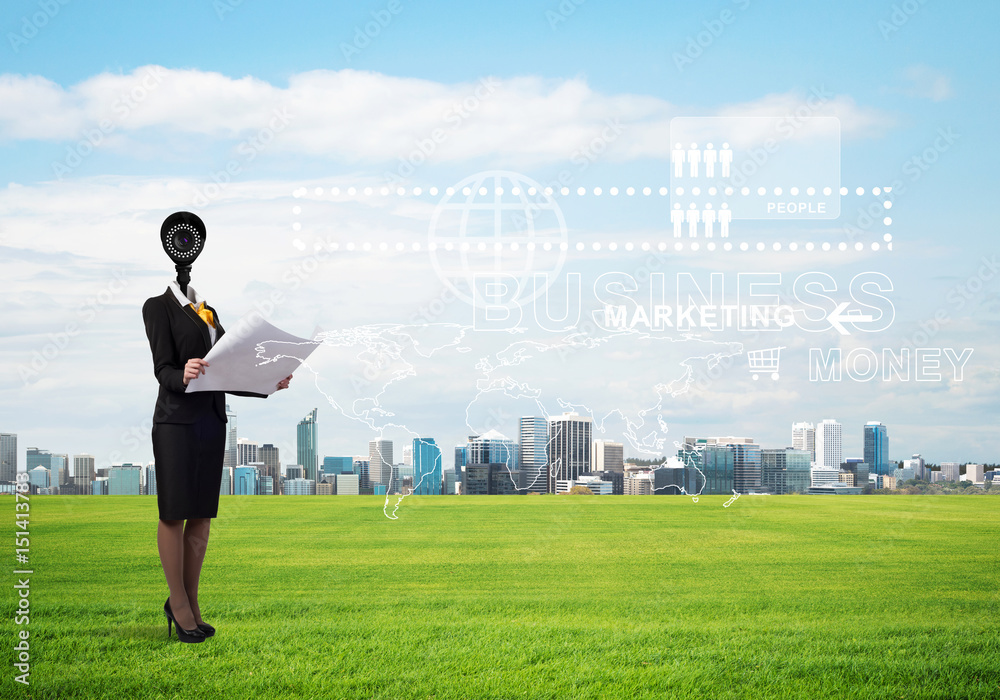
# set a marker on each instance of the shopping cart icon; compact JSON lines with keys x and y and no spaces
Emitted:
{"x":764,"y":361}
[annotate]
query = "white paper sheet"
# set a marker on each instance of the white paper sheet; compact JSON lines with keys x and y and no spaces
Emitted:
{"x":252,"y":356}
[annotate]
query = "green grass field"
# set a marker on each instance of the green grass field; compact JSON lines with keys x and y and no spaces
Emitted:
{"x":525,"y":597}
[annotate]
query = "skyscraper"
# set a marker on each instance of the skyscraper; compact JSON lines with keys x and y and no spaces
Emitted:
{"x":426,"y":467}
{"x":246,"y":452}
{"x":307,"y":445}
{"x":568,"y":447}
{"x":746,"y":462}
{"x":804,"y":438}
{"x":785,"y":470}
{"x":534,"y":439}
{"x":608,"y":456}
{"x":828,"y":444}
{"x":877,"y":448}
{"x":493,"y":447}
{"x":125,"y":480}
{"x":380,"y":462}
{"x":83,"y":473}
{"x":229,"y":460}
{"x":8,"y":456}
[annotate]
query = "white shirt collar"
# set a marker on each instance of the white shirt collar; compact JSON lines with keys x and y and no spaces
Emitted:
{"x":192,"y":295}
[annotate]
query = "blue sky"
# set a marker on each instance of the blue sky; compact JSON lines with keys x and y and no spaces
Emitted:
{"x":899,"y":76}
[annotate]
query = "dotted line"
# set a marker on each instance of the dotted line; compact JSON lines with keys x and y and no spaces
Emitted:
{"x":613,"y":246}
{"x":583,"y":191}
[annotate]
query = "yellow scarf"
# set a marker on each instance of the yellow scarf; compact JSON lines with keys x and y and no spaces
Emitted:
{"x":206,"y":314}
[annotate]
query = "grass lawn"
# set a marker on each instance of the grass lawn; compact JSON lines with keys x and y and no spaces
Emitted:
{"x":524,"y":597}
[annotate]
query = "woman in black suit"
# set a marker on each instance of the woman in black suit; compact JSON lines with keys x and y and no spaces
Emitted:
{"x":189,"y":441}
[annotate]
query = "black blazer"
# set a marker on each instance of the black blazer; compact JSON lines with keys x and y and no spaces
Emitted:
{"x":176,"y":334}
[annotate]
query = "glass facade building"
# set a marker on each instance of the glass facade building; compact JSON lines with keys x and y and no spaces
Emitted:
{"x":534,"y":437}
{"x":306,"y":443}
{"x":427,"y":476}
{"x":717,"y":464}
{"x":877,"y":448}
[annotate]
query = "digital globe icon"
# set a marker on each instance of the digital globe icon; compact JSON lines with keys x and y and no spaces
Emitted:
{"x":497,"y":238}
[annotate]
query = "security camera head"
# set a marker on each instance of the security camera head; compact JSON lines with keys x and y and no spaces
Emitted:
{"x":183,"y":237}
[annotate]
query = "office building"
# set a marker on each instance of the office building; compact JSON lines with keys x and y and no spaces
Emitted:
{"x":638,"y":483}
{"x":716,"y":464}
{"x":746,"y":462}
{"x":859,"y":468}
{"x":8,"y":457}
{"x":226,"y":485}
{"x":427,"y":474}
{"x":820,"y":476}
{"x":150,"y":487}
{"x":39,"y":478}
{"x":361,"y":468}
{"x":828,"y":444}
{"x":450,"y":482}
{"x":306,"y":444}
{"x":533,"y":437}
{"x":804,"y":438}
{"x":974,"y":473}
{"x":488,"y":479}
{"x":229,"y":459}
{"x":380,"y":462}
{"x":125,"y":480}
{"x":597,"y":486}
{"x":408,"y":456}
{"x":338,"y":465}
{"x":493,"y":447}
{"x":877,"y":448}
{"x":246,"y":452}
{"x":568,"y":447}
{"x":83,"y":473}
{"x":347,"y":484}
{"x":916,"y":464}
{"x":99,"y":486}
{"x":674,"y":478}
{"x":245,"y":480}
{"x":608,"y":456}
{"x":300,"y":487}
{"x":785,"y":470}
{"x":950,"y":471}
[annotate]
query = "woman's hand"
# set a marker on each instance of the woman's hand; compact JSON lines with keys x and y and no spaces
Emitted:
{"x":193,"y":368}
{"x":283,"y":384}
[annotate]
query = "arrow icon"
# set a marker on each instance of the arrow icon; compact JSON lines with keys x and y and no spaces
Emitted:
{"x":838,"y":317}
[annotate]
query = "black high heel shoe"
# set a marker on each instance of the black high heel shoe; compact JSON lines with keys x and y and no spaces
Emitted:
{"x":195,"y":636}
{"x":206,"y":629}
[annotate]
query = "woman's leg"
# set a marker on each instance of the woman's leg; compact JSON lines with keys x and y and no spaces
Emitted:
{"x":195,"y":544}
{"x":170,"y":542}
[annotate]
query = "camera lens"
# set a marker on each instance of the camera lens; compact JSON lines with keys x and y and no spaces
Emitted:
{"x":182,"y":241}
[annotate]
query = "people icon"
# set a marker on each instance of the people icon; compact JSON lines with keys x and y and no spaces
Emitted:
{"x":708,"y":216}
{"x":677,"y":219}
{"x":677,"y":158}
{"x":725,"y":216}
{"x":709,"y":157}
{"x":726,"y":159}
{"x":694,"y":158}
{"x":692,"y":216}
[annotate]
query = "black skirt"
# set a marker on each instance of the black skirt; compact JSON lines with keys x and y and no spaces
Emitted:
{"x":188,"y":460}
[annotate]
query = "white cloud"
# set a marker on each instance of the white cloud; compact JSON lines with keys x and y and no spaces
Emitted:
{"x":927,"y":83}
{"x":365,"y":117}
